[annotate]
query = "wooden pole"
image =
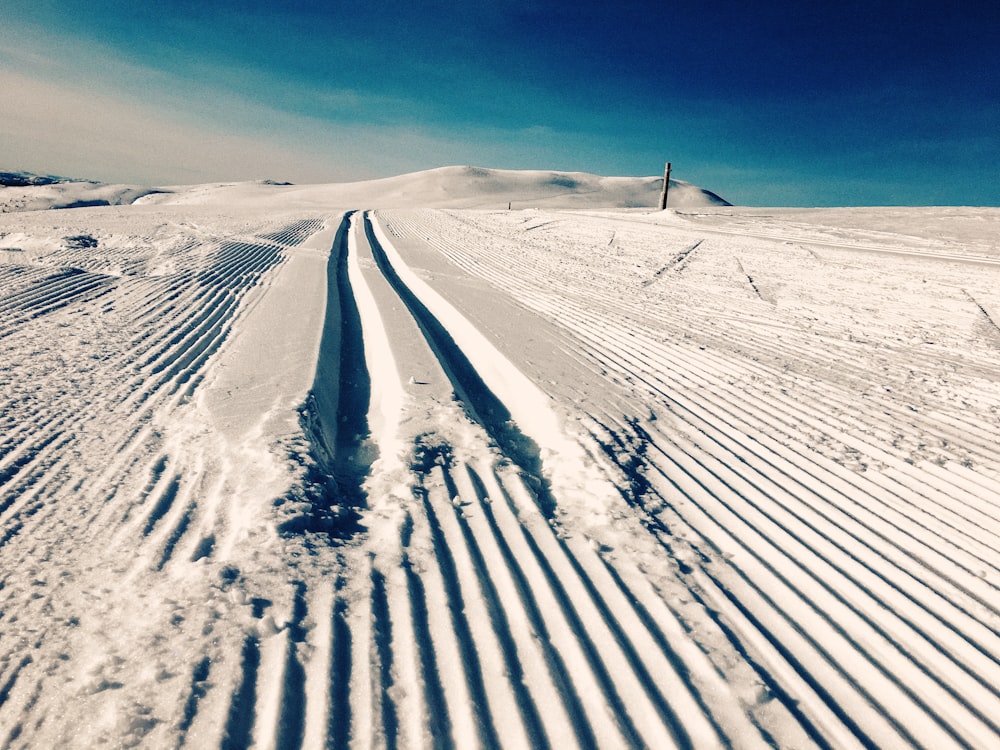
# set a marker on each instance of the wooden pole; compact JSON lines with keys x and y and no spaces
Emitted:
{"x":666,"y":186}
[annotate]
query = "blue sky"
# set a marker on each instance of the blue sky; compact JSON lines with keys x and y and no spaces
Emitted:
{"x":773,"y":103}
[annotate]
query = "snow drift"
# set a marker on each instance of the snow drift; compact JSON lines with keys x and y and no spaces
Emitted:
{"x":24,"y":191}
{"x":454,"y":187}
{"x":458,"y":187}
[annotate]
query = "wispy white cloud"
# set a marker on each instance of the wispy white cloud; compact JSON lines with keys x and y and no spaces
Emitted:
{"x":79,"y":109}
{"x":60,"y":128}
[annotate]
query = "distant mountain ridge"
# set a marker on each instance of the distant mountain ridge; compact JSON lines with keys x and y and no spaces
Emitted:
{"x":50,"y":193}
{"x":28,"y":179}
{"x":442,"y":187}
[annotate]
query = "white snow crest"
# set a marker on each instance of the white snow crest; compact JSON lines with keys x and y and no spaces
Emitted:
{"x":573,"y":477}
{"x":387,"y":394}
{"x":388,"y":484}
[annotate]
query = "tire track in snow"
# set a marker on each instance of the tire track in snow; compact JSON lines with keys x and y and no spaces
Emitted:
{"x":586,"y":683}
{"x":335,"y":416}
{"x":483,"y":405}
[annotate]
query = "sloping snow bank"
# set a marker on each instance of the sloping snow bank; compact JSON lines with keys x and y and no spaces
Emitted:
{"x":454,"y":187}
{"x":69,"y":195}
{"x":574,"y":479}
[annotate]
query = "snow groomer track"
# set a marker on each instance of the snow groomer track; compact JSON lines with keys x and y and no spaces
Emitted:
{"x":455,"y":479}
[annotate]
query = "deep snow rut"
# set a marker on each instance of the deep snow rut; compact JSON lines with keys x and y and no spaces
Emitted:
{"x":531,"y":642}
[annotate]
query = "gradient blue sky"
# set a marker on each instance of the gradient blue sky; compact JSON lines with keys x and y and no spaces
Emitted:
{"x":771,"y":103}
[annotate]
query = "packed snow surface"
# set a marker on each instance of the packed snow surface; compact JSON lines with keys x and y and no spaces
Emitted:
{"x":278,"y":474}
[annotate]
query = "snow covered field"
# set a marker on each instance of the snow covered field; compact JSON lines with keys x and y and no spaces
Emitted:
{"x":278,"y":474}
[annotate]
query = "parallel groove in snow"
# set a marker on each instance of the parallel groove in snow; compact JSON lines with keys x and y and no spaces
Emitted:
{"x":879,"y":570}
{"x":533,"y":636}
{"x":134,"y":341}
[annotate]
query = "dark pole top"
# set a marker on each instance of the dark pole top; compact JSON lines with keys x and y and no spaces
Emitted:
{"x":666,"y":186}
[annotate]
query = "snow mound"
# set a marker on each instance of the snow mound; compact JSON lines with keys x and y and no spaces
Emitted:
{"x":455,"y":187}
{"x":23,"y":191}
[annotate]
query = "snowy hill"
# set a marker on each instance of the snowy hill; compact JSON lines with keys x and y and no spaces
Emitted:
{"x":24,"y":191}
{"x":456,"y":187}
{"x":445,"y":187}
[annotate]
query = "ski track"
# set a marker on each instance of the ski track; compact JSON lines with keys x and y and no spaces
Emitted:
{"x":770,"y":518}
